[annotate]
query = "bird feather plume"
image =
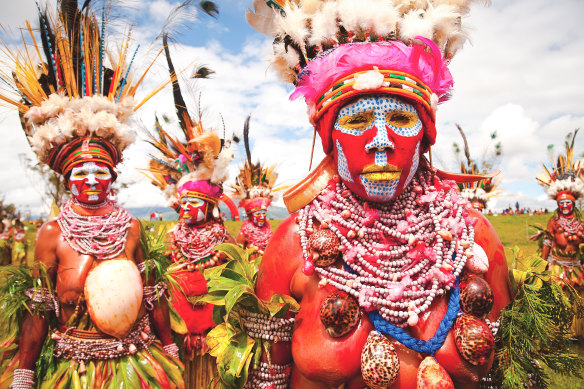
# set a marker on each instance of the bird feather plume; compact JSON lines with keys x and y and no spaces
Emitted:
{"x":262,"y":18}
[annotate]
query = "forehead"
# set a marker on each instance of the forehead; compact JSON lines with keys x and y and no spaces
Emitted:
{"x":191,"y":199}
{"x":90,"y":166}
{"x":384,"y":103}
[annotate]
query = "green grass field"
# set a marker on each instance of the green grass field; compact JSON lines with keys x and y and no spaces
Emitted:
{"x":513,"y":230}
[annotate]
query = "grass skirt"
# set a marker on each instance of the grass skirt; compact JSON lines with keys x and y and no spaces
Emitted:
{"x":573,"y":275}
{"x":147,"y":368}
{"x":200,"y":371}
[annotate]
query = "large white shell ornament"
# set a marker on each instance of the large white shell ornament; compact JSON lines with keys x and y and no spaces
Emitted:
{"x":478,"y":263}
{"x":113,"y":293}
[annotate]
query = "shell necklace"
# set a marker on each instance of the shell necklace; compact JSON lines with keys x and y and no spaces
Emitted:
{"x":397,"y":256}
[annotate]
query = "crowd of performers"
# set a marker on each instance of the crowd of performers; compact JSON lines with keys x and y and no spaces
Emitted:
{"x":391,"y":275}
{"x":13,"y":243}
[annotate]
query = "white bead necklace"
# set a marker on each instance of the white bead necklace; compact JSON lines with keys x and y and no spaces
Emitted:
{"x":102,"y":236}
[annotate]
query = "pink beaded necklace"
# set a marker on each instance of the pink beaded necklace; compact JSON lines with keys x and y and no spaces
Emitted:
{"x":102,"y":236}
{"x":569,"y":225}
{"x":257,"y":236}
{"x":398,"y":256}
{"x":197,"y":243}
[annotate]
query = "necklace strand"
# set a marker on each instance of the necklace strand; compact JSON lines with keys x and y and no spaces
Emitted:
{"x":102,"y":236}
{"x":399,"y":256}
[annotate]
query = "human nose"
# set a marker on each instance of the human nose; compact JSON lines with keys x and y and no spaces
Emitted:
{"x":91,"y":180}
{"x":381,"y":140}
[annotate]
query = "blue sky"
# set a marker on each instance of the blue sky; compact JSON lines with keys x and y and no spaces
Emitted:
{"x":521,"y":76}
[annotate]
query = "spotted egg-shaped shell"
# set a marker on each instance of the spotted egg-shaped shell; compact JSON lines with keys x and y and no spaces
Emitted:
{"x":476,"y":296}
{"x":379,"y":362}
{"x":324,"y":245}
{"x":474,"y":340}
{"x":432,"y":375}
{"x":339,"y":313}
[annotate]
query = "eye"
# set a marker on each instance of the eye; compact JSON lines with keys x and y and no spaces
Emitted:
{"x":102,"y":173}
{"x":79,"y":174}
{"x":402,"y":118}
{"x":357,"y":121}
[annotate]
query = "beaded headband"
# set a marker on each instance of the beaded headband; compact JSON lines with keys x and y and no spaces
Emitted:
{"x":385,"y":81}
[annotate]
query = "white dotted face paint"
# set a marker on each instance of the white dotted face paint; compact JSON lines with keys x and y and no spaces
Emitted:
{"x":377,"y":145}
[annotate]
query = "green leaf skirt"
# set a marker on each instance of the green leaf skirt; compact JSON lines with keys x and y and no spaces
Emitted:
{"x":150,"y":367}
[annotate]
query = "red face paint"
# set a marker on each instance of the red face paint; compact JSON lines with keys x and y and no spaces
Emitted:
{"x":376,"y":144}
{"x":194,"y":210}
{"x":258,"y":218}
{"x":90,"y":182}
{"x":566,"y":207}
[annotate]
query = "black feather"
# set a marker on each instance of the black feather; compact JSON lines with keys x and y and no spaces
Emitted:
{"x":246,"y":139}
{"x":210,"y":8}
{"x":203,"y":72}
{"x":466,"y":151}
{"x":48,"y":43}
{"x":179,"y":101}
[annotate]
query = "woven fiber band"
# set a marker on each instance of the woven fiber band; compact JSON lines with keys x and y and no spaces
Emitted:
{"x":67,"y":155}
{"x":71,"y":343}
{"x":394,"y":82}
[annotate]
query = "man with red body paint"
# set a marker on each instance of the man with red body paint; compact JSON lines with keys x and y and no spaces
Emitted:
{"x":377,"y":238}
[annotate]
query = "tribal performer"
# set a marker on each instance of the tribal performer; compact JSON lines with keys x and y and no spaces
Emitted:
{"x":5,"y":243}
{"x":191,"y":174}
{"x":96,"y":317}
{"x":564,"y":236}
{"x":19,"y":244}
{"x":400,"y":283}
{"x":479,"y":192}
{"x":254,"y":187}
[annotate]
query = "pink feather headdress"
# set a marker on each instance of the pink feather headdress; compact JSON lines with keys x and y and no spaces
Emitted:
{"x":333,"y":50}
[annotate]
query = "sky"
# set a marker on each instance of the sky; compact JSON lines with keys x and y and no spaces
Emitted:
{"x":521,"y":76}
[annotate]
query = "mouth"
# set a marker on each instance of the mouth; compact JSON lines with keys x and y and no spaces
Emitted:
{"x":92,"y":192}
{"x":381,"y":173}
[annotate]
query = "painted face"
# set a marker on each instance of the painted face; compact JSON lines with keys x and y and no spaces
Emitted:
{"x":377,"y":146}
{"x":258,"y":218}
{"x":478,"y":205}
{"x":566,"y":207}
{"x":90,"y":182}
{"x":194,"y":210}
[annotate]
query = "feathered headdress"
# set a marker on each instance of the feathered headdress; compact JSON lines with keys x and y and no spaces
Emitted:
{"x":335,"y":49}
{"x":565,"y":175}
{"x":74,"y":95}
{"x":481,"y":190}
{"x":197,"y":154}
{"x":254,"y":185}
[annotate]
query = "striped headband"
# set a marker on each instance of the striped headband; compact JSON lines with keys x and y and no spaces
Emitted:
{"x":394,"y":82}
{"x":78,"y":150}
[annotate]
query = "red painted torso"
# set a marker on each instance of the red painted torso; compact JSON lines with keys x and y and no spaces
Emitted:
{"x":321,"y":361}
